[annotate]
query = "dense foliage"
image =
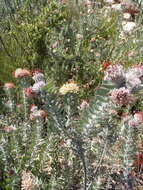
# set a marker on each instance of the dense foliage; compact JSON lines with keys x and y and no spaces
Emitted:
{"x":71,"y":89}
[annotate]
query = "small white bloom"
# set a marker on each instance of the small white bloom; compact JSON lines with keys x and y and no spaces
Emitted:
{"x":117,"y":7}
{"x":79,"y":36}
{"x":38,"y":77}
{"x":109,"y":1}
{"x":128,"y":26}
{"x":126,"y":16}
{"x":38,"y":86}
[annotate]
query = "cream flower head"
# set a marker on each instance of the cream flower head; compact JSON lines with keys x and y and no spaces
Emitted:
{"x":69,"y":87}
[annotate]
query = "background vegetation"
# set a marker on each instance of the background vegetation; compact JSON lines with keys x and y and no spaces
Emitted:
{"x":69,"y":40}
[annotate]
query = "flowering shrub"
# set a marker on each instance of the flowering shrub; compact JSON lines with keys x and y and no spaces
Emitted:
{"x":52,"y":136}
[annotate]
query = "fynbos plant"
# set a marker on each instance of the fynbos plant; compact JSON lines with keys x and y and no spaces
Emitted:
{"x":54,"y":144}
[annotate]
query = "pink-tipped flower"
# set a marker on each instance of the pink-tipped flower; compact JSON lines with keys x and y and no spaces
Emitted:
{"x":29,"y":92}
{"x":139,"y":117}
{"x":121,"y":96}
{"x":115,"y":73}
{"x":83,"y":105}
{"x":9,"y":129}
{"x":42,"y":113}
{"x":9,"y":85}
{"x":36,"y":71}
{"x":38,"y":114}
{"x":38,"y":86}
{"x":20,"y":73}
{"x":33,"y":108}
{"x":113,"y":112}
{"x":19,"y":106}
{"x":133,"y":123}
{"x":38,"y":77}
{"x":32,"y":116}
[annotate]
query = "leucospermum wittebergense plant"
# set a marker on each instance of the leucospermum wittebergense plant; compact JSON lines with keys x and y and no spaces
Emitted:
{"x":9,"y":89}
{"x":102,"y":144}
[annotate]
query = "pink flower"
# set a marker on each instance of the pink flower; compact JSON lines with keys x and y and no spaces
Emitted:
{"x":38,"y":86}
{"x":115,"y":73}
{"x":139,"y":117}
{"x":38,"y":77}
{"x":19,"y":105}
{"x":133,"y":123}
{"x":19,"y":73}
{"x":9,"y":129}
{"x":42,"y":113}
{"x":33,"y":108}
{"x":29,"y":92}
{"x":38,"y":114}
{"x":83,"y":105}
{"x":121,"y":96}
{"x":113,"y":112}
{"x":36,"y":71}
{"x":9,"y":85}
{"x":32,"y":116}
{"x":55,"y":44}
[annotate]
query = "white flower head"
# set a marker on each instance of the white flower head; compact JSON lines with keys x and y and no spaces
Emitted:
{"x":116,"y":7}
{"x":38,"y":86}
{"x":128,"y":26}
{"x":109,"y":1}
{"x":38,"y":77}
{"x":127,"y":16}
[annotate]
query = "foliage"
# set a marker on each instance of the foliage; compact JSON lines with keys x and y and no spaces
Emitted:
{"x":51,"y":138}
{"x":67,"y":40}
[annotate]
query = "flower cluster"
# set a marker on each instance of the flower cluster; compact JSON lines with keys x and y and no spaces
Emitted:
{"x":27,"y":182}
{"x":9,"y":85}
{"x":122,"y":96}
{"x":35,"y":113}
{"x":137,"y":119}
{"x":130,"y":78}
{"x":115,"y":73}
{"x":70,"y":87}
{"x":20,"y":73}
{"x":29,"y":92}
{"x":39,"y":79}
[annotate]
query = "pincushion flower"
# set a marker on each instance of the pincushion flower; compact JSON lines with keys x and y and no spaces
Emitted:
{"x":128,"y":26}
{"x":20,"y":73}
{"x":115,"y":73}
{"x":83,"y":105}
{"x":9,"y":128}
{"x":38,"y":86}
{"x":127,"y":16}
{"x":117,"y":7}
{"x":29,"y":92}
{"x":38,"y":77}
{"x":33,"y":108}
{"x":9,"y":85}
{"x":70,"y":87}
{"x":139,"y":160}
{"x":27,"y":182}
{"x":38,"y":114}
{"x":133,"y":123}
{"x":42,"y":113}
{"x":121,"y":96}
{"x":139,"y":117}
{"x":133,"y":77}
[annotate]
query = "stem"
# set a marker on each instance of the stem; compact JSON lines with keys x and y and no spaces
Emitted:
{"x":101,"y":159}
{"x":25,"y":104}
